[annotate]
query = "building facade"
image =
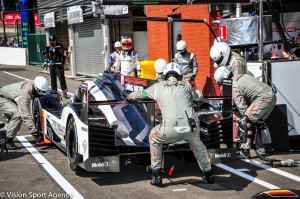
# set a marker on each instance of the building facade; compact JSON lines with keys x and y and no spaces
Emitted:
{"x":162,"y":38}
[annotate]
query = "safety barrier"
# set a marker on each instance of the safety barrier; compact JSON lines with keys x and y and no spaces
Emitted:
{"x":13,"y":56}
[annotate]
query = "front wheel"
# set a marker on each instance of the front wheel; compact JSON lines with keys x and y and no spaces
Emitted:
{"x":74,"y":157}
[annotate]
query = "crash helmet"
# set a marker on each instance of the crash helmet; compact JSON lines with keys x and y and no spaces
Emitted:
{"x":181,"y":46}
{"x":220,"y":73}
{"x":160,"y":65}
{"x":172,"y":70}
{"x":220,"y":53}
{"x":117,"y":44}
{"x":52,"y":38}
{"x":126,"y":43}
{"x":41,"y":85}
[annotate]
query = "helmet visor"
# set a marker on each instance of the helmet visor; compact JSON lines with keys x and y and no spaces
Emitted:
{"x":41,"y":92}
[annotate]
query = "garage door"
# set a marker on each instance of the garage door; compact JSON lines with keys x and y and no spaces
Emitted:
{"x":89,"y":47}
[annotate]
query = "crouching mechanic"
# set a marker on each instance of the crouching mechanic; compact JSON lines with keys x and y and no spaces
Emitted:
{"x":175,"y":126}
{"x":15,"y":106}
{"x":254,"y":100}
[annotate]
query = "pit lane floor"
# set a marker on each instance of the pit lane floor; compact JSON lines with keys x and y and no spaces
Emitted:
{"x":24,"y":176}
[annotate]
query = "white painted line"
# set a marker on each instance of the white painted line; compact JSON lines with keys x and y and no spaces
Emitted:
{"x":248,"y":177}
{"x":179,"y":189}
{"x":29,"y":79}
{"x":274,"y":170}
{"x":16,"y":75}
{"x":63,"y":183}
{"x":243,"y":170}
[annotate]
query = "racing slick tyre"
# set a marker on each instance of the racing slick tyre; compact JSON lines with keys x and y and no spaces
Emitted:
{"x":38,"y":136}
{"x":72,"y":146}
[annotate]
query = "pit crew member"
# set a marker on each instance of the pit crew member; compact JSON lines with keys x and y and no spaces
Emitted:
{"x":178,"y":123}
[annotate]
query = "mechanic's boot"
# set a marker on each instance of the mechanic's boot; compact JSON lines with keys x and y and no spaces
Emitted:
{"x":267,"y":149}
{"x":156,"y":178}
{"x":208,"y":177}
{"x":10,"y":144}
{"x":65,"y":95}
{"x":243,"y":154}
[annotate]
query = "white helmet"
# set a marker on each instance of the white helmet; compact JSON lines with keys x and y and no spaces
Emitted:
{"x":172,"y":70}
{"x":160,"y":65}
{"x":41,"y":85}
{"x":118,"y":44}
{"x":219,"y":53}
{"x":220,"y":73}
{"x":181,"y":46}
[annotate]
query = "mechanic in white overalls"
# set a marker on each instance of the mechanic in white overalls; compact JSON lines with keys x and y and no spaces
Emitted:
{"x":113,"y":56}
{"x":15,"y":105}
{"x":175,"y":99}
{"x":127,"y":63}
{"x":254,"y":101}
{"x":187,"y":61}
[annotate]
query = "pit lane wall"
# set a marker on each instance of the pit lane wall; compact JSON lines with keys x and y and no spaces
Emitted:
{"x":13,"y":56}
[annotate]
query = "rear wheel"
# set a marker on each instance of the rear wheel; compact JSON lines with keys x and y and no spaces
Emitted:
{"x":74,"y":157}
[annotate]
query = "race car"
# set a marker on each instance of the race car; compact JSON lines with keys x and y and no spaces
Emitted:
{"x":98,"y":125}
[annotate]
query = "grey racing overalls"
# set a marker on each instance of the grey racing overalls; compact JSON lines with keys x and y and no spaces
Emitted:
{"x":175,"y":99}
{"x":15,"y":106}
{"x":188,"y":64}
{"x":237,"y":64}
{"x":254,"y":99}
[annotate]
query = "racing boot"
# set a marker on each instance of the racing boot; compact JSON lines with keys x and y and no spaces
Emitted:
{"x":208,"y":177}
{"x":267,"y":149}
{"x":243,"y":154}
{"x":10,"y":144}
{"x":156,"y":178}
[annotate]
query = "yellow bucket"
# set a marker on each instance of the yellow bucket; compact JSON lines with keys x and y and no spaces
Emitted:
{"x":147,"y":69}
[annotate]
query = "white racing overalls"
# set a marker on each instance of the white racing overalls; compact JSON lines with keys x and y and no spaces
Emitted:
{"x":127,"y":63}
{"x":175,"y":99}
{"x":15,"y":106}
{"x":254,"y":99}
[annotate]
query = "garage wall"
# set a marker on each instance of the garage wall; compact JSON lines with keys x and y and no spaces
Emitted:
{"x":198,"y":37}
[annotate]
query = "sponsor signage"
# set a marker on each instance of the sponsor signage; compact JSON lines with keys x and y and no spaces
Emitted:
{"x":221,"y":155}
{"x":75,"y":15}
{"x":49,"y":20}
{"x":115,"y":9}
{"x":12,"y":19}
{"x":102,"y":164}
{"x":137,"y":84}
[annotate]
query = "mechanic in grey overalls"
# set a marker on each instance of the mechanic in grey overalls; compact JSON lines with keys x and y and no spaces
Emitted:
{"x":175,"y":99}
{"x":15,"y":105}
{"x":159,"y":66}
{"x":222,"y":55}
{"x":254,"y":101}
{"x":187,"y":61}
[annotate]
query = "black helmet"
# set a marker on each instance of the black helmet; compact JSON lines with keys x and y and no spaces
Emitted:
{"x":52,"y":38}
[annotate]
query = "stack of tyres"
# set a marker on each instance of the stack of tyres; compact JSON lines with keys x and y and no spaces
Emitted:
{"x":2,"y":138}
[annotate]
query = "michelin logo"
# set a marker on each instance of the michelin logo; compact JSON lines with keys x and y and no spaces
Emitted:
{"x":222,"y":155}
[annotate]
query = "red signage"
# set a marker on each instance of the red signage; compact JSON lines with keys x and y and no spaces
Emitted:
{"x":10,"y":19}
{"x":223,"y":32}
